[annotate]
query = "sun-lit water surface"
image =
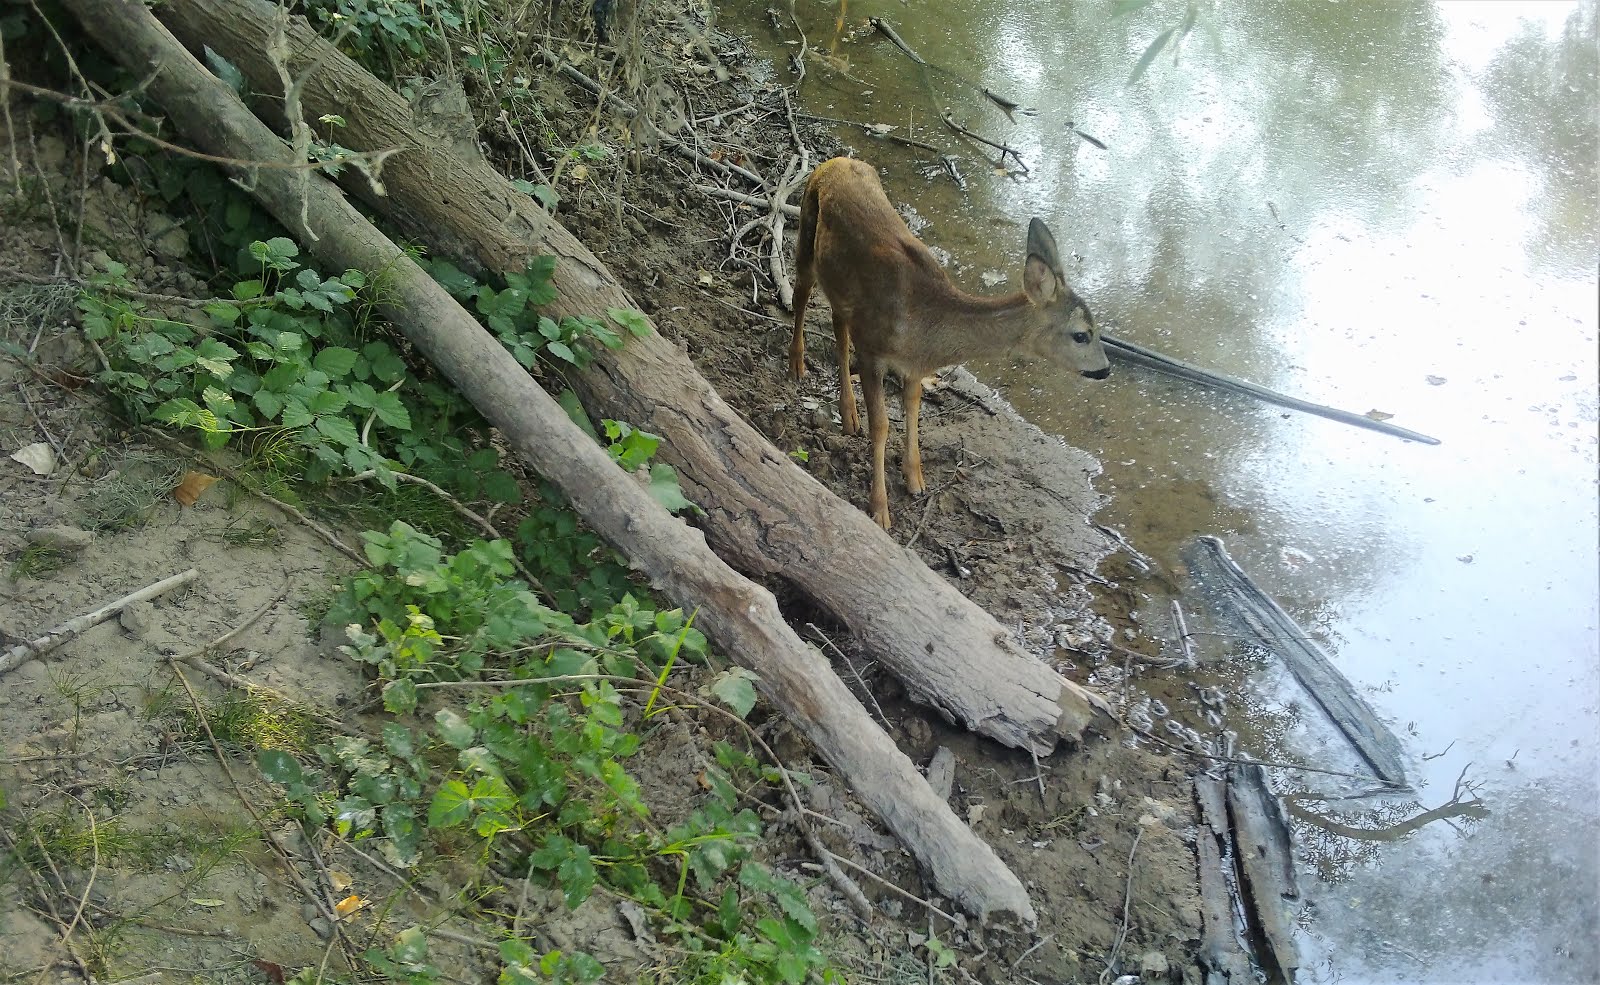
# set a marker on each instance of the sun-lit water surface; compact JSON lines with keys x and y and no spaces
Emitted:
{"x":1377,"y":206}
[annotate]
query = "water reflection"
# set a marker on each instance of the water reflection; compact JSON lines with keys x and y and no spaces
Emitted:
{"x":1386,"y":206}
{"x":1542,"y":94}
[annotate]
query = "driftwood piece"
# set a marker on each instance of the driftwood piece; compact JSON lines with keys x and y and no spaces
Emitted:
{"x":1266,"y":863}
{"x":1138,"y":355}
{"x":1223,"y":959}
{"x":764,"y":514}
{"x":73,"y":628}
{"x":741,"y":617}
{"x":1240,"y":601}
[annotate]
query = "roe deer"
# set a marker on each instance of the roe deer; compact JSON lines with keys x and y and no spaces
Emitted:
{"x":891,"y":299}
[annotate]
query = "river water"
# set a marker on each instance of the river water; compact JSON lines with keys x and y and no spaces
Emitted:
{"x":1385,"y":207}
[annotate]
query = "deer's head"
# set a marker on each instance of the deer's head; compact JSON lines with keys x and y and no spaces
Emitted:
{"x":1066,"y":333}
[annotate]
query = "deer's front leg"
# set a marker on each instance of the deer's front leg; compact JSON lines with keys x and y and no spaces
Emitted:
{"x":911,"y":463}
{"x":878,"y":426}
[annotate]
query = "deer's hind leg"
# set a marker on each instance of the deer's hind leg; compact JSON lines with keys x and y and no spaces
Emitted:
{"x":878,"y":427}
{"x":848,"y":417}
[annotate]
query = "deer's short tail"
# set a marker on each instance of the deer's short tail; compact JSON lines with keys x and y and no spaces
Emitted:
{"x":805,"y":247}
{"x":805,"y":252}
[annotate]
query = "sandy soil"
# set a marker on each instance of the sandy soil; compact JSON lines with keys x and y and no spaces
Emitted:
{"x":184,"y":869}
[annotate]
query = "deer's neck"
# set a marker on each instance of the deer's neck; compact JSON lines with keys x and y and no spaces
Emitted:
{"x":957,"y":326}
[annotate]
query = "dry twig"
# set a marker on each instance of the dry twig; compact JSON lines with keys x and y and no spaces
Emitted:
{"x":73,"y":628}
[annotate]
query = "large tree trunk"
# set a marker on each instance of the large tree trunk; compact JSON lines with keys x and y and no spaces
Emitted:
{"x":741,"y":617}
{"x":763,"y":513}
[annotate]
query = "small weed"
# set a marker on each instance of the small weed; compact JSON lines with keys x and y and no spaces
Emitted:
{"x":125,"y":496}
{"x":80,"y":691}
{"x":252,"y":533}
{"x":41,"y":560}
{"x":247,"y":721}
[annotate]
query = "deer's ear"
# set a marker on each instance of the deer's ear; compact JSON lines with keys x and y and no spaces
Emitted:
{"x":1041,"y":276}
{"x":1040,"y":281}
{"x":1043,"y":245}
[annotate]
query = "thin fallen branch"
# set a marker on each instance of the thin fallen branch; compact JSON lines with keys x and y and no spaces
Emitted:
{"x":1127,"y":906}
{"x":1005,"y":151}
{"x":881,"y":130}
{"x":756,"y":200}
{"x":1181,"y":626}
{"x":799,"y":60}
{"x":75,"y":627}
{"x":1138,"y":355}
{"x":792,"y":176}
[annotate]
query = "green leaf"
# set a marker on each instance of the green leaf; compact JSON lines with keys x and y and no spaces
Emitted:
{"x":392,"y":411}
{"x":338,"y":430}
{"x":225,"y":70}
{"x":387,"y":365}
{"x":633,"y":321}
{"x":328,"y":402}
{"x":335,"y":360}
{"x":295,"y":414}
{"x":453,"y":729}
{"x":569,"y":403}
{"x":576,"y":875}
{"x":452,"y":278}
{"x":222,"y":314}
{"x":562,"y":351}
{"x":736,"y":689}
{"x":400,"y":697}
{"x":665,"y":489}
{"x":410,"y":946}
{"x":451,"y":805}
{"x":279,"y":767}
{"x":277,"y":253}
{"x":500,"y":487}
{"x":248,"y":290}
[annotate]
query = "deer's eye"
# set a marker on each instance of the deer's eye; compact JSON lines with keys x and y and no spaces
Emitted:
{"x":1082,"y":338}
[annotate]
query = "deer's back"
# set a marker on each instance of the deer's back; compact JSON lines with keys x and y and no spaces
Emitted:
{"x":867,"y":262}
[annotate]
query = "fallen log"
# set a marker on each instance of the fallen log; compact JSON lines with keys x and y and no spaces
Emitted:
{"x":741,"y":617}
{"x":764,"y":514}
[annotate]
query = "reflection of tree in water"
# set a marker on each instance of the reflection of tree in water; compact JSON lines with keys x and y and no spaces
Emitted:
{"x":1520,"y":888}
{"x":1346,"y":106}
{"x":1354,"y":100}
{"x":1543,"y":96}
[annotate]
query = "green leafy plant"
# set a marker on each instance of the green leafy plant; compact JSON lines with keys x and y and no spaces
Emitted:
{"x":512,"y":313}
{"x":397,"y":29}
{"x":283,"y":354}
{"x":537,"y":771}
